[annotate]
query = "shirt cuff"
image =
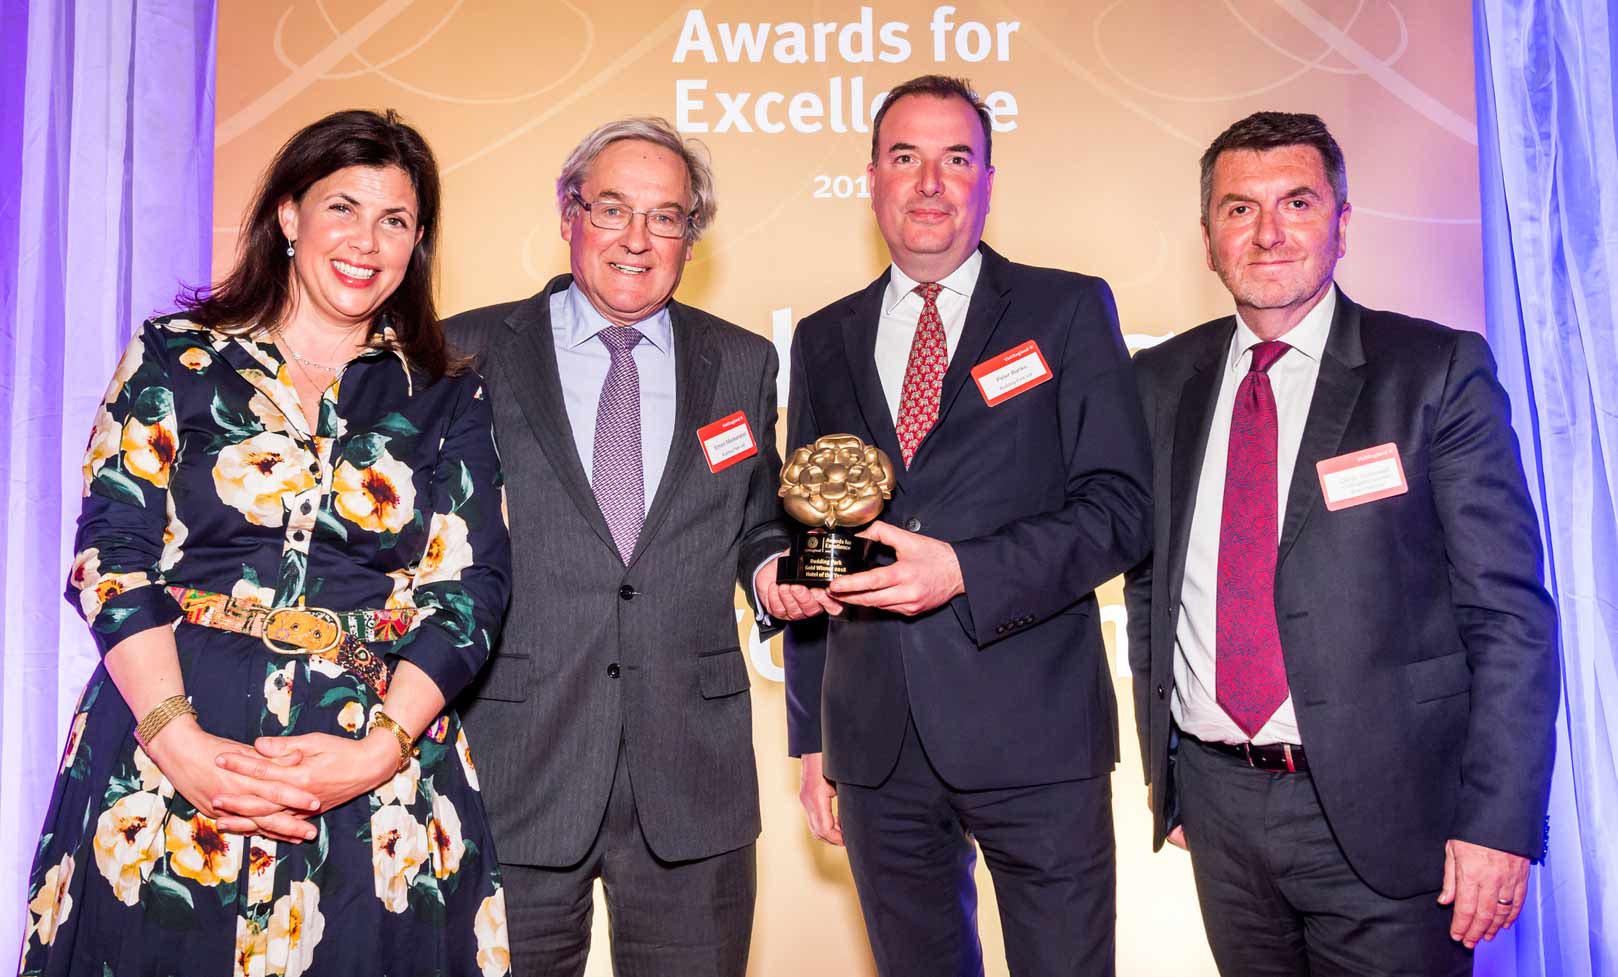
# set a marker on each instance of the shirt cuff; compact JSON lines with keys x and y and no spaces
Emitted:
{"x":761,"y":615}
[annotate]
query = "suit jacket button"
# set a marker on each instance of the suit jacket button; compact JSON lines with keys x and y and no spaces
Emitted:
{"x":999,"y":629}
{"x":913,"y":525}
{"x":613,"y":671}
{"x":1160,"y":692}
{"x":626,"y":592}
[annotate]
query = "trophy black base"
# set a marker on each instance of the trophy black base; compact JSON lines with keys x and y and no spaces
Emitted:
{"x":819,"y":556}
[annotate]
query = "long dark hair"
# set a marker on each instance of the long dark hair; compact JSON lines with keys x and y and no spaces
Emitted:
{"x":257,"y":292}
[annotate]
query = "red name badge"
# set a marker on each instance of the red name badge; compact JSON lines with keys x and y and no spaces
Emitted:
{"x":1015,"y":371}
{"x":1362,"y":476}
{"x":727,"y":441}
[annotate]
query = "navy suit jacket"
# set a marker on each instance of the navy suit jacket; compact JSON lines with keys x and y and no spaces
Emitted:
{"x":1419,"y":641}
{"x":1043,"y":496}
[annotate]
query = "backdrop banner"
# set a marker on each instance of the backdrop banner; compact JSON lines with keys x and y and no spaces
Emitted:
{"x":1100,"y":108}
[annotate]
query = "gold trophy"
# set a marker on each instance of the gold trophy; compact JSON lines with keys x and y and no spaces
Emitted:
{"x":833,"y":486}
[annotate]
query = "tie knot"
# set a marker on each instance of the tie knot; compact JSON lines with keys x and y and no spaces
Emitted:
{"x":1265,"y":354}
{"x":929,"y":291}
{"x":619,"y":339}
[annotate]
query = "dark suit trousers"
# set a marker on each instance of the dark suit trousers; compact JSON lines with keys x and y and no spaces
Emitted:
{"x":690,"y":919}
{"x":1279,"y":898}
{"x":1049,"y":849}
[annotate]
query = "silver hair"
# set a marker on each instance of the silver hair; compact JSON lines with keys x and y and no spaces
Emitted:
{"x":659,"y":133}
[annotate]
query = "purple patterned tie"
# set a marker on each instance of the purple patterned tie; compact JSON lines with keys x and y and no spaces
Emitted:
{"x":616,"y":468}
{"x":1250,"y":679}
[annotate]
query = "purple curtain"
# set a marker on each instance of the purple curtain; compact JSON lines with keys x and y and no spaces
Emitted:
{"x":106,"y":207}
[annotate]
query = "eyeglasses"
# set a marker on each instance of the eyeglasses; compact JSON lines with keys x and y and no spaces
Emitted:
{"x":610,"y":215}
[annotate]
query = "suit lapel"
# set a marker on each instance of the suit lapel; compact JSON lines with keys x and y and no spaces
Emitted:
{"x":859,"y":348}
{"x":1337,"y":390}
{"x":1193,"y":417}
{"x":990,"y":297}
{"x":697,"y":360}
{"x":537,"y":388}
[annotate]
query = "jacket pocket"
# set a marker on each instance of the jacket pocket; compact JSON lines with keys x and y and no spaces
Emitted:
{"x":505,"y":678}
{"x":1439,"y":678}
{"x":722,"y":673}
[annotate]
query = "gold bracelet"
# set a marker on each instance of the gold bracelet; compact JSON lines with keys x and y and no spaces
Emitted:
{"x":407,"y":748}
{"x":161,"y":715}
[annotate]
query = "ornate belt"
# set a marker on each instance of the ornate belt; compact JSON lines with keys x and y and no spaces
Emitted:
{"x":336,"y":636}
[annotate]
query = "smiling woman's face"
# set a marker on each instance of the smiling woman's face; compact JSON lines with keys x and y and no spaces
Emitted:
{"x":354,"y":232}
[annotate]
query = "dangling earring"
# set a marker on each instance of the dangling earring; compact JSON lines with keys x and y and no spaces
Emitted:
{"x":290,"y":250}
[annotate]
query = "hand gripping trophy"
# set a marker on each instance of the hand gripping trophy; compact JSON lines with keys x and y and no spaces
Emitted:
{"x":835,"y":485}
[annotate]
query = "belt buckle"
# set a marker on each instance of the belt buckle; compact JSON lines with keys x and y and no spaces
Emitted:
{"x":299,"y":626}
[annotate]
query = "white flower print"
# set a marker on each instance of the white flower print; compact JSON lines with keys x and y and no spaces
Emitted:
{"x":127,"y":843}
{"x":398,"y":850}
{"x":254,"y":476}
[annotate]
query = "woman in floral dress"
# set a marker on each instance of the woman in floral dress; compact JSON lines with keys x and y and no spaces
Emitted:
{"x":298,"y":439}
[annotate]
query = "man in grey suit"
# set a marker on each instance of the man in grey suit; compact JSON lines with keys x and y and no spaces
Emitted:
{"x":613,"y":726}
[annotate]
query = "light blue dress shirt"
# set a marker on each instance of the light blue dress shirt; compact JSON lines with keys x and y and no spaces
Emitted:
{"x":582,"y":361}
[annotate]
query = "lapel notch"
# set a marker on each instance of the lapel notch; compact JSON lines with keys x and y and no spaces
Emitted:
{"x":530,"y":362}
{"x":697,"y":360}
{"x":1337,"y":390}
{"x":859,"y":349}
{"x":1193,"y":418}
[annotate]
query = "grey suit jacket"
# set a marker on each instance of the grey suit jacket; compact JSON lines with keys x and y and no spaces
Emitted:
{"x":594,"y":650}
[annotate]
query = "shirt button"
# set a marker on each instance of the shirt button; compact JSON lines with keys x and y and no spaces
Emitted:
{"x":627,"y":593}
{"x":305,"y":507}
{"x":298,"y":536}
{"x":913,"y":525}
{"x":613,"y":671}
{"x":314,"y":468}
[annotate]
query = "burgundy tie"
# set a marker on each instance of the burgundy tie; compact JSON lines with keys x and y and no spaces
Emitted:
{"x":924,"y":374}
{"x":1250,"y":679}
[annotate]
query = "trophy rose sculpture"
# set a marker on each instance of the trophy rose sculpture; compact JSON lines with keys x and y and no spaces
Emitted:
{"x":833,"y":486}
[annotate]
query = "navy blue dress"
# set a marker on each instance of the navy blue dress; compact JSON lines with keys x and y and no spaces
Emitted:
{"x":200,"y":473}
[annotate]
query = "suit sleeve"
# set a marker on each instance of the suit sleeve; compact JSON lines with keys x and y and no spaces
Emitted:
{"x":764,"y":531}
{"x":1040,"y":565}
{"x":1506,"y":619}
{"x":804,"y":657}
{"x":1138,"y":607}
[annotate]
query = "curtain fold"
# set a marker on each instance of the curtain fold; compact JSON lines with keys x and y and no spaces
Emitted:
{"x":1548,"y":140}
{"x":106,"y":207}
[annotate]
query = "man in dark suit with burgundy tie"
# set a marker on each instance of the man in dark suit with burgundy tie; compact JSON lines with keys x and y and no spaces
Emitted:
{"x":1345,"y":663}
{"x":961,"y":691}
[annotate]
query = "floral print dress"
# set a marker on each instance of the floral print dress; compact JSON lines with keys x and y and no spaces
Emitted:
{"x":201,"y":473}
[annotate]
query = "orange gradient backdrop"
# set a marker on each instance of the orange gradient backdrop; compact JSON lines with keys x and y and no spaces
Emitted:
{"x":1096,"y":171}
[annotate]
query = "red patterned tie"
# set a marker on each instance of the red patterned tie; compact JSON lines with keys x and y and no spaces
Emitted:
{"x":1250,"y":679}
{"x":924,"y":374}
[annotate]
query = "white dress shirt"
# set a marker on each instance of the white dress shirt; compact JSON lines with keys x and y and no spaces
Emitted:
{"x":901,"y":310}
{"x":1292,"y":378}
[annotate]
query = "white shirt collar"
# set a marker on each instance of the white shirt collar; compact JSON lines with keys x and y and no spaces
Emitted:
{"x":961,"y":281}
{"x":658,"y":328}
{"x":1307,"y":337}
